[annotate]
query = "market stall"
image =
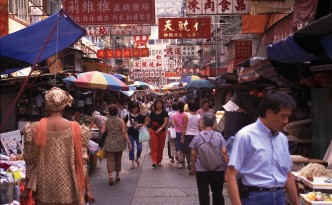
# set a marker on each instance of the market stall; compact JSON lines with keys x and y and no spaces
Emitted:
{"x":314,"y":183}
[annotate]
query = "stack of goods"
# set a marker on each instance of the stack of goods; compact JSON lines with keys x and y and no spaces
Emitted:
{"x":314,"y":170}
{"x":11,"y":173}
{"x":319,"y":196}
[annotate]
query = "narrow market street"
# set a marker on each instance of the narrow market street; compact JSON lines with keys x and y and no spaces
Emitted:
{"x":145,"y":185}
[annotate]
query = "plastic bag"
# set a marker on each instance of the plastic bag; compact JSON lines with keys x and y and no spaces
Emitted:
{"x":172,"y":132}
{"x":101,"y":154}
{"x":144,"y":134}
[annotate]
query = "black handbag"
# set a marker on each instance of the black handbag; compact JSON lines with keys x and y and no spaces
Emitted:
{"x":101,"y":140}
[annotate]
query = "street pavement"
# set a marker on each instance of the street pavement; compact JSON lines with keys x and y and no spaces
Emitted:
{"x":145,"y":185}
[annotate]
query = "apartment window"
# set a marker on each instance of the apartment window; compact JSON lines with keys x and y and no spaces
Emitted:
{"x":37,"y":2}
{"x":19,"y":8}
{"x":52,"y":7}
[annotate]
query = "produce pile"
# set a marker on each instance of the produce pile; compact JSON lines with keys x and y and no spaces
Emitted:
{"x":318,"y":196}
{"x":314,"y":169}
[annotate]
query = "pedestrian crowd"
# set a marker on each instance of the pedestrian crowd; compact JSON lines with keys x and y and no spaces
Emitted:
{"x":258,"y":170}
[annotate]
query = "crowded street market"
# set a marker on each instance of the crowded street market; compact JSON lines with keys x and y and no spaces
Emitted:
{"x":166,"y":102}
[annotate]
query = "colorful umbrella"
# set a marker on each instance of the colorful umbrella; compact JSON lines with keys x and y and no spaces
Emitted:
{"x":96,"y":79}
{"x":140,"y":83}
{"x":199,"y":84}
{"x":188,"y":79}
{"x":171,"y":86}
{"x":123,"y":78}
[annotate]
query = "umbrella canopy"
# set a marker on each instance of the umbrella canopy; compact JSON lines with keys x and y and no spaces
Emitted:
{"x":189,"y":78}
{"x":171,"y":86}
{"x":199,"y":84}
{"x":140,"y":83}
{"x":120,"y":77}
{"x":99,"y":80}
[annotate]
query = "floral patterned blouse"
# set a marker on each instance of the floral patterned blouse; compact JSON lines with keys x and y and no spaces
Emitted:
{"x":115,"y":140}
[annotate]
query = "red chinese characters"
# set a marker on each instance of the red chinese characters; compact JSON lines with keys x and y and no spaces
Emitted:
{"x":100,"y":53}
{"x":144,"y":52}
{"x":243,"y":49}
{"x":215,"y":7}
{"x":127,"y":53}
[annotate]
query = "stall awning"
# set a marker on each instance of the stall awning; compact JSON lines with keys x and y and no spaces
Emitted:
{"x":288,"y":51}
{"x":310,"y":43}
{"x":22,"y":48}
{"x":264,"y":68}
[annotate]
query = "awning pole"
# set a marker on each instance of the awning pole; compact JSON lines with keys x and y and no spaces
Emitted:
{"x":28,"y":77}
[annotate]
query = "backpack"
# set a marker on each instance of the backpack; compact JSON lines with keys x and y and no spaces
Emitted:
{"x":208,"y":155}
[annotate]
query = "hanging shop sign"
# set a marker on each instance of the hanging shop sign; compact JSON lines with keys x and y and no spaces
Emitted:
{"x":130,"y":30}
{"x":144,"y":64}
{"x":3,"y":17}
{"x":171,"y":74}
{"x":243,"y":48}
{"x":123,"y":53}
{"x":217,"y":7}
{"x":97,"y":30}
{"x":179,"y":28}
{"x":141,"y":41}
{"x":173,"y":51}
{"x":106,"y":12}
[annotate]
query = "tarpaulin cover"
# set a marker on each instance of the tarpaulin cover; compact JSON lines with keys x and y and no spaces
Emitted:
{"x":21,"y":49}
{"x":326,"y":43}
{"x":288,"y":51}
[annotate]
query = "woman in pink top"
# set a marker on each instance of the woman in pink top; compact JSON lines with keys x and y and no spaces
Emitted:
{"x":178,"y":124}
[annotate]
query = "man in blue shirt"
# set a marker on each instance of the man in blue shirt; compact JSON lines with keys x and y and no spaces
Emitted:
{"x":260,"y":159}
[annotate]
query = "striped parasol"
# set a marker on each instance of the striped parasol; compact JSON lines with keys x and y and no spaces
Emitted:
{"x":100,"y":80}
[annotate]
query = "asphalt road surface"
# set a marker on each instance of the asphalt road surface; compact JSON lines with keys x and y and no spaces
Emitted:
{"x":145,"y":185}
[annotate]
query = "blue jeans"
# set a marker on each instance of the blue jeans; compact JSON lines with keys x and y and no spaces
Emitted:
{"x":266,"y":198}
{"x":178,"y":144}
{"x":138,"y":145}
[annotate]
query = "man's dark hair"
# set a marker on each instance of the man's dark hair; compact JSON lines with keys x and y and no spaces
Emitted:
{"x":276,"y":101}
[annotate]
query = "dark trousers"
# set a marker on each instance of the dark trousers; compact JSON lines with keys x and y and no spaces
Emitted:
{"x":213,"y":179}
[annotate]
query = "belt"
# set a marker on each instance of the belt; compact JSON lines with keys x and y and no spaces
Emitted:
{"x":262,"y":189}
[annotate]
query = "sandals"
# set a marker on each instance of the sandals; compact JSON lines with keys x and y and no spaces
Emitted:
{"x":132,"y":166}
{"x":110,"y":181}
{"x":89,"y":197}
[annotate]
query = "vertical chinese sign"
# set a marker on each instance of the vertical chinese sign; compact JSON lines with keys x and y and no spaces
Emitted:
{"x":179,"y":28}
{"x":217,"y":7}
{"x":3,"y":17}
{"x":106,"y":12}
{"x":243,"y":49}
